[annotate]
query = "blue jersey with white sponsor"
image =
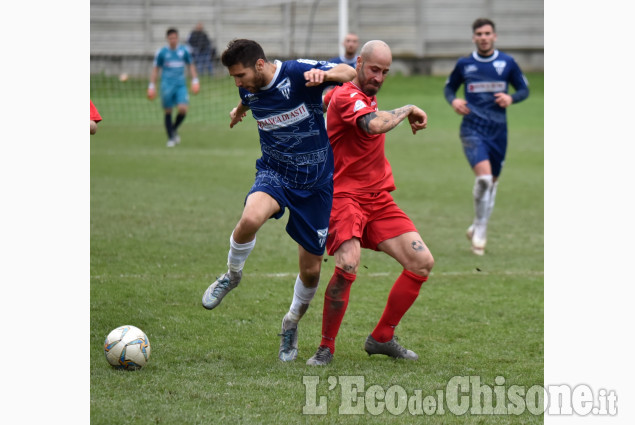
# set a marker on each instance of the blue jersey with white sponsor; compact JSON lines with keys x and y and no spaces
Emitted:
{"x":482,"y":77}
{"x":290,"y":119}
{"x":172,"y":64}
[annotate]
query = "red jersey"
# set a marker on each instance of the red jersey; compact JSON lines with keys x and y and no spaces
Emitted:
{"x":94,"y":113}
{"x":360,"y":161}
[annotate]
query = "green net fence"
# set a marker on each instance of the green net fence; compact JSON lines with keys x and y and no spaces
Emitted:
{"x":125,"y":102}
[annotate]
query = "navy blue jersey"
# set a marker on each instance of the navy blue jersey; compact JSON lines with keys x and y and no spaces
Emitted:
{"x":293,"y":136}
{"x":482,"y":77}
{"x":343,"y":59}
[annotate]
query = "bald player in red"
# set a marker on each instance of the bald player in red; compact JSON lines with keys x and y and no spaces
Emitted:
{"x":364,"y":214}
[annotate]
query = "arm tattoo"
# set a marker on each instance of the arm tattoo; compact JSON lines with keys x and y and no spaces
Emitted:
{"x":383,"y":121}
{"x":417,"y":245}
{"x":364,"y":122}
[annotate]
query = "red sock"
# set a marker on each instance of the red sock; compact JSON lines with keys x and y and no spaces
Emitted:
{"x":402,"y":295}
{"x":335,"y":303}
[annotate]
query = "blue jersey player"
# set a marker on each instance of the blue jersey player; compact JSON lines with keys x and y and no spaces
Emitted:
{"x":295,"y":170}
{"x":172,"y":61}
{"x":351,"y":44}
{"x":486,"y":75}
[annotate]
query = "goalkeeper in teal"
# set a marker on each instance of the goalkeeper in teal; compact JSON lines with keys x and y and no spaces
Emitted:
{"x":172,"y":60}
{"x":486,"y":75}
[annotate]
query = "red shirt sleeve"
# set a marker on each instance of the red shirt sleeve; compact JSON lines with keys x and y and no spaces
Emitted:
{"x":94,"y":113}
{"x":352,"y":104}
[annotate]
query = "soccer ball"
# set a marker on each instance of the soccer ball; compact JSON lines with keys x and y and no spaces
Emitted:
{"x":123,"y":77}
{"x":127,"y":347}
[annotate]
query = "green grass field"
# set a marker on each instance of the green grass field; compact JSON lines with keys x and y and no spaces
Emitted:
{"x":160,"y":224}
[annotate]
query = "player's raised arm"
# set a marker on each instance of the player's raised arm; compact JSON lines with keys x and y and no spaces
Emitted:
{"x":384,"y":121}
{"x":340,"y":73}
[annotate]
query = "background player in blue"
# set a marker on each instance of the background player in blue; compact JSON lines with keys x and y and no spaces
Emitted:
{"x":172,"y":60}
{"x":486,"y":75}
{"x":351,"y":44}
{"x":294,"y":172}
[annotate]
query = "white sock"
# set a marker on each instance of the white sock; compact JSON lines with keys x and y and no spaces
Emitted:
{"x":238,"y":253}
{"x":482,"y":192}
{"x":482,"y":202}
{"x":492,"y":200}
{"x":302,"y":297}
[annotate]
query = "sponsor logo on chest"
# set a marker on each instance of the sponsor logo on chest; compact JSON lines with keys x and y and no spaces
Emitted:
{"x":486,"y":87}
{"x":284,"y":119}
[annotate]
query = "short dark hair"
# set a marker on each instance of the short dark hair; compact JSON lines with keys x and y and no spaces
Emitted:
{"x":242,"y":51}
{"x":482,"y":22}
{"x":171,"y":31}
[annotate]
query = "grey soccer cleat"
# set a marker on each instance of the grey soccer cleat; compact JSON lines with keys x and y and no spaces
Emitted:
{"x":390,"y":348}
{"x":322,"y":357}
{"x":288,"y":340}
{"x":217,"y":290}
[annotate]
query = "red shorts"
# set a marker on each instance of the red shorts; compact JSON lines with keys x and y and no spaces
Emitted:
{"x":372,"y":218}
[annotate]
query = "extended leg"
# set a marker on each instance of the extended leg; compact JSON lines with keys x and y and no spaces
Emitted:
{"x":258,"y":208}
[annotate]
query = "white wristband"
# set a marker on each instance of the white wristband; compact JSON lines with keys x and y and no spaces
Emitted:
{"x":194,"y":80}
{"x":151,"y":86}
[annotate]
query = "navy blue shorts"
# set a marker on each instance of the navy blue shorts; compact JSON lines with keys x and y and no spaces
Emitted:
{"x":482,"y":142}
{"x":309,"y":209}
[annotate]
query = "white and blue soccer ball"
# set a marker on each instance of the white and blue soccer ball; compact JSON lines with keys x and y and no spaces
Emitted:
{"x":127,"y":347}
